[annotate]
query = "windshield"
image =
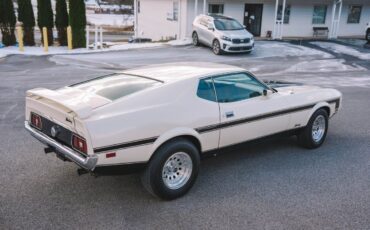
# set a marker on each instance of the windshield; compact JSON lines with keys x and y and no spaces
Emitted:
{"x":116,"y":85}
{"x":228,"y":24}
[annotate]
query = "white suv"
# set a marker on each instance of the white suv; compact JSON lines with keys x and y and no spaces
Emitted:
{"x":223,"y":34}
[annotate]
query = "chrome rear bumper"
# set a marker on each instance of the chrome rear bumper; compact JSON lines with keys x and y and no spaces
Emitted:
{"x":87,"y":163}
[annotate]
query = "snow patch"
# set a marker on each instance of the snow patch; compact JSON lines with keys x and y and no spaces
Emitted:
{"x":330,"y":65}
{"x":181,"y":42}
{"x":279,"y":49}
{"x":341,"y":49}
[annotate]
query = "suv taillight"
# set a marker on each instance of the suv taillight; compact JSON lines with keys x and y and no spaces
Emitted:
{"x":36,"y":121}
{"x":79,"y":144}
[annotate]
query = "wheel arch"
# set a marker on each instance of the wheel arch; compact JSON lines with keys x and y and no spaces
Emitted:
{"x":184,"y":133}
{"x":216,"y":39}
{"x":321,"y":105}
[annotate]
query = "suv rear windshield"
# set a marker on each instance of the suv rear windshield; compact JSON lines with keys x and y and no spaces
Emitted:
{"x":116,"y":86}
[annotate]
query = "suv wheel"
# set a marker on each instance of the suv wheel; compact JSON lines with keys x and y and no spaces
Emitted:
{"x":216,"y":47}
{"x":172,"y":170}
{"x":368,"y":35}
{"x":195,"y":39}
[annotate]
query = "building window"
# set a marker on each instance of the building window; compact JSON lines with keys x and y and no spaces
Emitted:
{"x":175,"y":10}
{"x":216,"y":8}
{"x":286,"y":13}
{"x":354,"y":14}
{"x":319,"y":14}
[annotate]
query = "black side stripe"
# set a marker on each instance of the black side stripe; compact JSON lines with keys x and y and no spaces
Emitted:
{"x":126,"y":145}
{"x":259,"y":117}
{"x":251,"y":119}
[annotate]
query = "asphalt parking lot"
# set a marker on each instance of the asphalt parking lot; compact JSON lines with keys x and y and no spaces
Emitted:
{"x":270,"y":185}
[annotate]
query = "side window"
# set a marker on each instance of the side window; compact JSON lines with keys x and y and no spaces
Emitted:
{"x":206,"y":90}
{"x":319,"y":14}
{"x":237,"y":87}
{"x":216,"y":8}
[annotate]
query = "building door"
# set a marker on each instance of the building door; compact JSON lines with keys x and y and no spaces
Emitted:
{"x":253,"y":18}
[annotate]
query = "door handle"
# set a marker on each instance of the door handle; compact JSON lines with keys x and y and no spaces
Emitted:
{"x":229,"y":114}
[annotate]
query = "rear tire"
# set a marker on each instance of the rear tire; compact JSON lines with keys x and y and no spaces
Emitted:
{"x":195,"y":39}
{"x":314,"y":134}
{"x":216,"y":47}
{"x":173,"y":169}
{"x":368,"y":36}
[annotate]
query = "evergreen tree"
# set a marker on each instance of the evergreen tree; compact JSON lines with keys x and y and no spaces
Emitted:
{"x":77,"y":20}
{"x":7,"y":22}
{"x":45,"y":18}
{"x":61,"y":21}
{"x":26,"y":16}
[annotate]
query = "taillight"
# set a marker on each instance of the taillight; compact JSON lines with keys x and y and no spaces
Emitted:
{"x":36,"y":121}
{"x":79,"y":144}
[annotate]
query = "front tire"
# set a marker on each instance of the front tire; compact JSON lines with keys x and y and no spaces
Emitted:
{"x":368,"y":36}
{"x":314,"y":134}
{"x":173,"y":170}
{"x":216,"y":47}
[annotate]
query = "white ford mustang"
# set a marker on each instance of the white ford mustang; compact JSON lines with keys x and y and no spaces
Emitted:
{"x":162,"y":118}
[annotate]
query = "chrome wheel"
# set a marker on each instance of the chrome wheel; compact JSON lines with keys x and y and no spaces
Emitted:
{"x":177,"y":170}
{"x":216,"y":47}
{"x":318,"y":128}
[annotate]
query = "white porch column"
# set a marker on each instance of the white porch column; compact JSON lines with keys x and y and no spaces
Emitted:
{"x":136,"y":27}
{"x":196,"y":8}
{"x":338,"y":20}
{"x":274,"y":31}
{"x":282,"y":19}
{"x":204,"y":6}
{"x":332,"y":25}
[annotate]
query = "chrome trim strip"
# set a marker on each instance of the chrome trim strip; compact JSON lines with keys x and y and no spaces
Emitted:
{"x":87,"y":163}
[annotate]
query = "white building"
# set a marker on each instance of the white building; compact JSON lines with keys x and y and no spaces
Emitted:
{"x":166,"y":19}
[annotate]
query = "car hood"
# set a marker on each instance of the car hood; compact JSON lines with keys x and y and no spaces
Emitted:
{"x":236,"y":33}
{"x":291,"y":87}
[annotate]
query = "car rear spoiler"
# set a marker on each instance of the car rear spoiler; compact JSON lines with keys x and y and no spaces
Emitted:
{"x":80,"y":107}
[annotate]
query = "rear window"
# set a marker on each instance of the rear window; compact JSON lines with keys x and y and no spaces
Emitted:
{"x":116,"y":86}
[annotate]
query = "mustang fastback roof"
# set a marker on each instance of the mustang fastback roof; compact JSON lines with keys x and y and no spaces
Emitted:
{"x":181,"y":71}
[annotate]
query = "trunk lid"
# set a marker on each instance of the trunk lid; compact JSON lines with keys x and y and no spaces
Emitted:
{"x":63,"y":105}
